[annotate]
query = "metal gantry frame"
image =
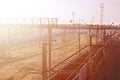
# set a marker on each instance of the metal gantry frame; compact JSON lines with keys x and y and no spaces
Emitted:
{"x":43,"y":23}
{"x":103,"y":31}
{"x":52,"y":24}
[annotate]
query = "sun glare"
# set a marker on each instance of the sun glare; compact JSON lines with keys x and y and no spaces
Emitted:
{"x":12,"y":9}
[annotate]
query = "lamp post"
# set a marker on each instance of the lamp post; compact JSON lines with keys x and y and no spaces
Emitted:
{"x":73,"y":13}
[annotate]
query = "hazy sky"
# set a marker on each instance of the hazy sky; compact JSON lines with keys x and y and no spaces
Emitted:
{"x":62,"y":9}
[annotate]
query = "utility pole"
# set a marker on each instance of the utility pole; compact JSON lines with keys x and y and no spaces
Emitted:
{"x":101,"y":12}
{"x":40,"y":31}
{"x":44,"y":61}
{"x":79,"y":41}
{"x":93,"y":20}
{"x":73,"y":13}
{"x":49,"y":43}
{"x":90,"y":55}
{"x":101,"y":17}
